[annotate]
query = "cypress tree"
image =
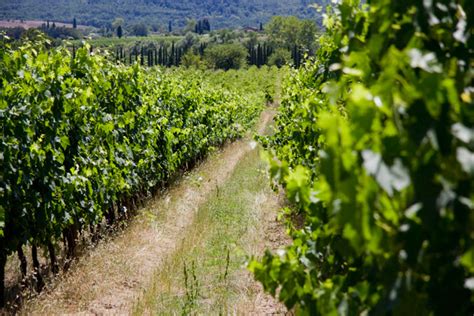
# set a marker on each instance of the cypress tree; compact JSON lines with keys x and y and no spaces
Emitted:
{"x":293,"y":56}
{"x":255,"y":56}
{"x":269,"y":52}
{"x":119,"y":31}
{"x":259,"y":55}
{"x":165,"y":56}
{"x":296,"y":56}
{"x":206,"y":25}
{"x":74,"y":23}
{"x":173,"y":53}
{"x":170,"y":28}
{"x":160,"y":55}
{"x":264,"y":54}
{"x":200,"y":28}
{"x":178,"y":57}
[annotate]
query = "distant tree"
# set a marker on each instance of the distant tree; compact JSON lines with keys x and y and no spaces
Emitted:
{"x":47,"y":24}
{"x":200,"y":27}
{"x":190,"y":26}
{"x":202,"y":48}
{"x":192,"y":60}
{"x":172,"y":60}
{"x":189,"y":40}
{"x":54,"y":25}
{"x":155,"y":27}
{"x":252,"y":40}
{"x":170,"y":27}
{"x":117,"y":22}
{"x":280,"y":57}
{"x":226,"y":56}
{"x":289,"y":31}
{"x":63,"y":32}
{"x":260,"y":58}
{"x":140,"y":30}
{"x":74,"y":23}
{"x":225,"y":36}
{"x":179,"y":55}
{"x":261,"y":26}
{"x":297,"y":56}
{"x":119,"y":31}
{"x":206,"y":25}
{"x":307,"y":36}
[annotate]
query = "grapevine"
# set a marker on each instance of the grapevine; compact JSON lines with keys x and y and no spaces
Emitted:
{"x":375,"y":147}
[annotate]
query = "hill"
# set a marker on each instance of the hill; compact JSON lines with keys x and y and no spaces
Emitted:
{"x":157,"y":13}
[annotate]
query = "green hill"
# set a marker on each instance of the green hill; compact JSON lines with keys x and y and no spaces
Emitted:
{"x":100,"y":13}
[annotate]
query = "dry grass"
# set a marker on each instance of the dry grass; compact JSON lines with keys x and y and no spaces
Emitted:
{"x":267,"y":233}
{"x":239,"y":221}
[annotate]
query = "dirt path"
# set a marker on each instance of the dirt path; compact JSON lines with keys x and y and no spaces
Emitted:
{"x":112,"y":276}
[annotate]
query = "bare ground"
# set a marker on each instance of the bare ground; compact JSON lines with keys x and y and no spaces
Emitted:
{"x":28,"y":24}
{"x":113,"y":275}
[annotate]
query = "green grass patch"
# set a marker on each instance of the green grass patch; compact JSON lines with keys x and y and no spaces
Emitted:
{"x":202,"y":276}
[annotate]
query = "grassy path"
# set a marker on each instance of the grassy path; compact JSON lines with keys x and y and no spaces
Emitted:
{"x":186,"y":251}
{"x":206,"y":274}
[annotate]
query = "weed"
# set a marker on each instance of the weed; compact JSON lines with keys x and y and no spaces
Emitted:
{"x":191,"y":285}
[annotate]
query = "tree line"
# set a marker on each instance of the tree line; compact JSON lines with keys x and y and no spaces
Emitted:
{"x":172,"y":55}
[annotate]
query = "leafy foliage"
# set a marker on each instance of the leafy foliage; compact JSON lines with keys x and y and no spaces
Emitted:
{"x":139,"y":30}
{"x":280,"y":57}
{"x":81,"y":135}
{"x":374,"y":147}
{"x":226,"y":56}
{"x":289,"y":31}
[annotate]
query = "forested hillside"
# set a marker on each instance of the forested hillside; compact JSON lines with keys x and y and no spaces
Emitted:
{"x":222,"y":13}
